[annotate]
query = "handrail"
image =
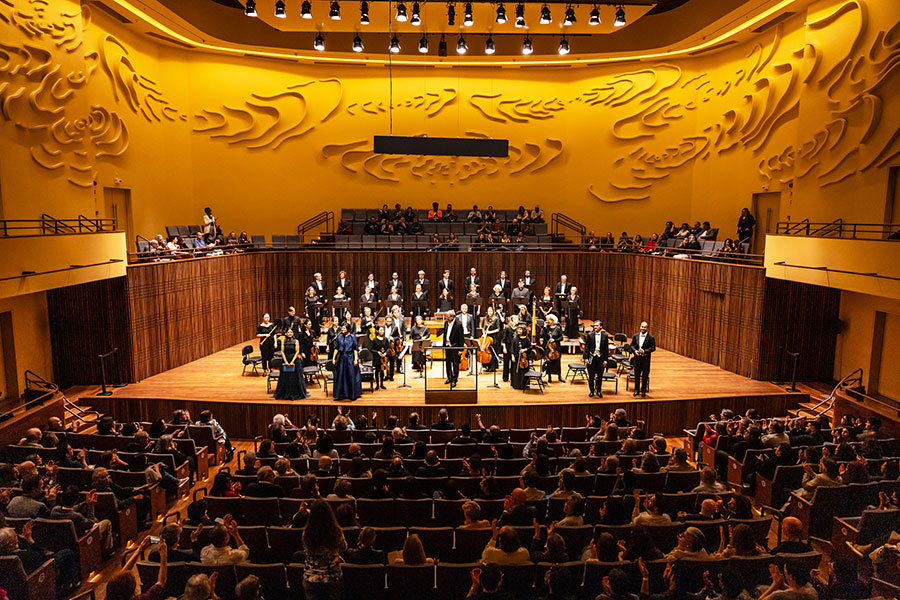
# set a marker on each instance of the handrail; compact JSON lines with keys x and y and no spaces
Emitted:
{"x":839,"y":229}
{"x":33,"y":381}
{"x":48,"y":225}
{"x":55,"y":224}
{"x":855,"y":378}
{"x":558,"y":220}
{"x":325,"y":217}
{"x":71,"y":408}
{"x":790,"y":228}
{"x":828,"y":228}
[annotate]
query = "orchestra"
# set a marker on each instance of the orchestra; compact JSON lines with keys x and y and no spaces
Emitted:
{"x":540,"y":328}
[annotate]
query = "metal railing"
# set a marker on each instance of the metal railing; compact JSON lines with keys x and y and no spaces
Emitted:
{"x":315,"y":223}
{"x":33,"y":382}
{"x":839,"y":229}
{"x":48,"y":225}
{"x":559,"y":221}
{"x":854,"y":379}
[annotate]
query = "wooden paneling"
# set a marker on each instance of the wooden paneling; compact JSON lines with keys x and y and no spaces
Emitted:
{"x":181,"y":311}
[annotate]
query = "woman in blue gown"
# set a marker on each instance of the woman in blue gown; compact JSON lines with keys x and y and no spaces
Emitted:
{"x":290,"y":381}
{"x":347,"y":378}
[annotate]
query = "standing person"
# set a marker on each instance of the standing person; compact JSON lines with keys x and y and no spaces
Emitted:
{"x":379,"y":348}
{"x":505,"y":285}
{"x":419,"y":332}
{"x":397,"y":333}
{"x":506,"y":339}
{"x":312,"y":304}
{"x":596,"y":351}
{"x":445,"y":302}
{"x":473,"y":278}
{"x":291,"y":322}
{"x":323,"y":542}
{"x":643,"y":345}
{"x":347,"y":377}
{"x":552,"y":333}
{"x":344,"y":283}
{"x":419,"y":302}
{"x":265,"y":331}
{"x":308,"y":340}
{"x":290,"y":383}
{"x":746,"y":223}
{"x":521,"y":346}
{"x":445,"y":283}
{"x":492,"y":327}
{"x":573,"y":314}
{"x":210,"y":227}
{"x":453,"y":337}
{"x":563,"y":287}
{"x":530,"y":282}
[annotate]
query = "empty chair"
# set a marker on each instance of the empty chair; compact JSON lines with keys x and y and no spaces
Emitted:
{"x":40,"y":583}
{"x":377,"y":513}
{"x":389,"y":539}
{"x":363,"y":581}
{"x":470,"y":543}
{"x":595,"y":571}
{"x":454,"y":579}
{"x":682,"y":481}
{"x":410,"y":581}
{"x":260,"y":511}
{"x":438,"y":541}
{"x":283,"y":542}
{"x":576,"y":538}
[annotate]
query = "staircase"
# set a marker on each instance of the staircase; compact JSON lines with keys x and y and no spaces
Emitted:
{"x":814,"y":409}
{"x":560,"y":224}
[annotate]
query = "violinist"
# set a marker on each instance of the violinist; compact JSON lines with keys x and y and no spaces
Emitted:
{"x":551,"y":338}
{"x":366,"y":321}
{"x":491,"y":326}
{"x":379,"y":347}
{"x":265,"y":334}
{"x":419,"y":332}
{"x":521,"y":349}
{"x":506,"y":339}
{"x":596,"y":351}
{"x":308,"y":344}
{"x":312,"y":308}
{"x":523,"y":315}
{"x":453,"y":337}
{"x":332,"y":333}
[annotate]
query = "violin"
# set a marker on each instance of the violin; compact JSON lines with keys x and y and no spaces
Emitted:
{"x":552,"y":352}
{"x":397,"y":346}
{"x":523,"y":359}
{"x":464,"y":361}
{"x":314,"y":353}
{"x":484,"y":353}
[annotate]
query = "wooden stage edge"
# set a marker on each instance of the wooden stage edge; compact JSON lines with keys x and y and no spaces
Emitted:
{"x":249,"y":419}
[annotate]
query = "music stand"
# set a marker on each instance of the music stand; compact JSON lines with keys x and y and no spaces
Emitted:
{"x":420,"y":346}
{"x":390,"y":304}
{"x":339,"y":308}
{"x":373,"y":305}
{"x":402,"y":357}
{"x":418,"y":307}
{"x":564,"y":310}
{"x":499,"y":366}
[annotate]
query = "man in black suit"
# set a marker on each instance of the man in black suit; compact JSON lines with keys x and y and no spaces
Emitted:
{"x":530,"y":282}
{"x":506,"y":339}
{"x":444,"y":423}
{"x":445,"y":283}
{"x":370,"y":282}
{"x":505,"y":285}
{"x":563,"y":287}
{"x":318,"y":284}
{"x":596,"y":351}
{"x":453,"y":336}
{"x":473,"y":278}
{"x":467,"y":321}
{"x":643,"y":345}
{"x":395,"y":282}
{"x":422,"y":281}
{"x":344,"y":284}
{"x":265,"y":485}
{"x":291,"y":321}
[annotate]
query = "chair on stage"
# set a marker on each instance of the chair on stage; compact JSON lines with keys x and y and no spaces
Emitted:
{"x":366,"y":369}
{"x":609,"y":374}
{"x":535,"y":373}
{"x":577,"y":368}
{"x":249,"y":359}
{"x":274,"y":372}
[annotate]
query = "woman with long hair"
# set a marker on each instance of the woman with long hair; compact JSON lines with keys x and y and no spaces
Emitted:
{"x":323,"y":542}
{"x":347,"y":376}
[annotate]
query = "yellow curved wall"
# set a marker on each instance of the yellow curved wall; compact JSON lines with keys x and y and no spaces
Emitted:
{"x":269,"y":143}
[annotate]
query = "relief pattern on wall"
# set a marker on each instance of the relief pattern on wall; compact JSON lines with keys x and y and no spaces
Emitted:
{"x":659,"y":118}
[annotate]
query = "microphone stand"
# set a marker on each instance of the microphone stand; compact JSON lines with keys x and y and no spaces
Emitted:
{"x":403,"y":364}
{"x":499,"y":365}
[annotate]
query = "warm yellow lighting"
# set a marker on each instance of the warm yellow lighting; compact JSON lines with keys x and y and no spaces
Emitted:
{"x":93,"y":577}
{"x":751,"y":22}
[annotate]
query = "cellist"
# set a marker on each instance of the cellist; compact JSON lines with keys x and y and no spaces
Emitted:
{"x":490,"y":342}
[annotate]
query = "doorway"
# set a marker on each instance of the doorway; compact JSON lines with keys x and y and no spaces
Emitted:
{"x":117,"y":206}
{"x":892,"y":203}
{"x":9,"y":383}
{"x":884,"y":377}
{"x":767,"y":210}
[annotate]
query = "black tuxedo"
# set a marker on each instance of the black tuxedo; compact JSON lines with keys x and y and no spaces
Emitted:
{"x":505,"y":287}
{"x":441,"y":285}
{"x":467,"y":323}
{"x":596,"y":363}
{"x":453,"y":336}
{"x":376,"y":289}
{"x":530,"y":283}
{"x":641,"y":362}
{"x":476,"y":280}
{"x":320,"y":287}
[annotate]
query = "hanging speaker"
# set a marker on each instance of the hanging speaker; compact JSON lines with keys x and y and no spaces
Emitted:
{"x":437,"y":146}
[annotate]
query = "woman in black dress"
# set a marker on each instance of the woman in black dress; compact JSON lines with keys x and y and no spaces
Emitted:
{"x":573,"y":313}
{"x":745,"y":226}
{"x":265,"y":334}
{"x":312,"y":309}
{"x":379,"y":348}
{"x":521,"y":345}
{"x":419,"y":332}
{"x":492,"y":326}
{"x":419,"y":302}
{"x":338,"y":297}
{"x":445,"y":302}
{"x":307,"y":341}
{"x":552,"y":332}
{"x":290,"y":384}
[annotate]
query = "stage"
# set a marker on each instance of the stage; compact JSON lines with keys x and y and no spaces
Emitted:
{"x":682,"y":392}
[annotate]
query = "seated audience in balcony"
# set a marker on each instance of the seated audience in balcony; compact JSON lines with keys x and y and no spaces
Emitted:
{"x":435,"y":214}
{"x":344,"y":228}
{"x":449,"y":215}
{"x":668,"y":232}
{"x":414,"y":227}
{"x":652,"y":243}
{"x":474,"y":215}
{"x":372,"y":227}
{"x":592,"y":242}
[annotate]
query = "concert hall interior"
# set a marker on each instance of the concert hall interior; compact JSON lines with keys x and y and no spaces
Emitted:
{"x":473,"y":280}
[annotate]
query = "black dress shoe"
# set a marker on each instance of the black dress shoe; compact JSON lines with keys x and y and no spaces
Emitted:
{"x":591,"y":395}
{"x":446,"y":381}
{"x":643,"y":395}
{"x":599,"y":394}
{"x":635,"y":394}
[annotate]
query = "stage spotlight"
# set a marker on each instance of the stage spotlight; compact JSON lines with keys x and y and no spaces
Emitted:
{"x":570,"y":16}
{"x":335,"y":12}
{"x":415,"y":18}
{"x":279,"y":10}
{"x":620,"y":17}
{"x":468,"y":18}
{"x":401,"y":13}
{"x":250,"y":8}
{"x":451,"y":15}
{"x":527,"y":48}
{"x":357,"y":44}
{"x":563,"y":47}
{"x":520,"y":15}
{"x":501,"y":14}
{"x":395,"y":45}
{"x":546,"y":18}
{"x":319,"y":43}
{"x":363,"y":13}
{"x":461,"y":46}
{"x":442,"y":46}
{"x":489,"y":46}
{"x":306,"y":10}
{"x":595,"y":17}
{"x":423,"y":45}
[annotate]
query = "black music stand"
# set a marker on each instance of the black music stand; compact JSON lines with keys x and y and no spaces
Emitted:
{"x":373,"y":306}
{"x":339,"y":308}
{"x":418,"y":307}
{"x":402,"y":357}
{"x":390,"y":304}
{"x":499,"y":366}
{"x":419,"y":346}
{"x":793,"y":389}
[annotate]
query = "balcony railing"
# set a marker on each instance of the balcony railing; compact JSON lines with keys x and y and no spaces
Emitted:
{"x":48,"y":225}
{"x":837,"y":229}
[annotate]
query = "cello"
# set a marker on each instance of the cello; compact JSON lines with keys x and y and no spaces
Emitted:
{"x":484,"y":352}
{"x":464,"y":360}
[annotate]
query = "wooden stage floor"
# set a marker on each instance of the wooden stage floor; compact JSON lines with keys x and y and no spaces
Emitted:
{"x":682,"y":391}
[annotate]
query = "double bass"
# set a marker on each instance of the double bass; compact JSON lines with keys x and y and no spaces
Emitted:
{"x":464,"y":360}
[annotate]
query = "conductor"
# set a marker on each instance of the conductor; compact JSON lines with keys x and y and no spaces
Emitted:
{"x":453,"y":337}
{"x":643,"y":345}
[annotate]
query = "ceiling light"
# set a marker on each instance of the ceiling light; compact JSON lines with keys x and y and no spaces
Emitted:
{"x":451,"y":15}
{"x":306,"y":10}
{"x":401,"y":13}
{"x":595,"y":17}
{"x":416,"y":19}
{"x":250,"y":8}
{"x":546,"y":18}
{"x":357,"y":44}
{"x":461,"y":46}
{"x":620,"y":17}
{"x":423,"y":45}
{"x":442,"y":46}
{"x":319,"y":43}
{"x":501,"y":14}
{"x":335,"y":12}
{"x":563,"y":47}
{"x":468,"y":19}
{"x":279,"y":10}
{"x":364,"y":13}
{"x":570,"y":16}
{"x":527,"y":48}
{"x":520,"y":15}
{"x":489,"y":45}
{"x":395,"y":45}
